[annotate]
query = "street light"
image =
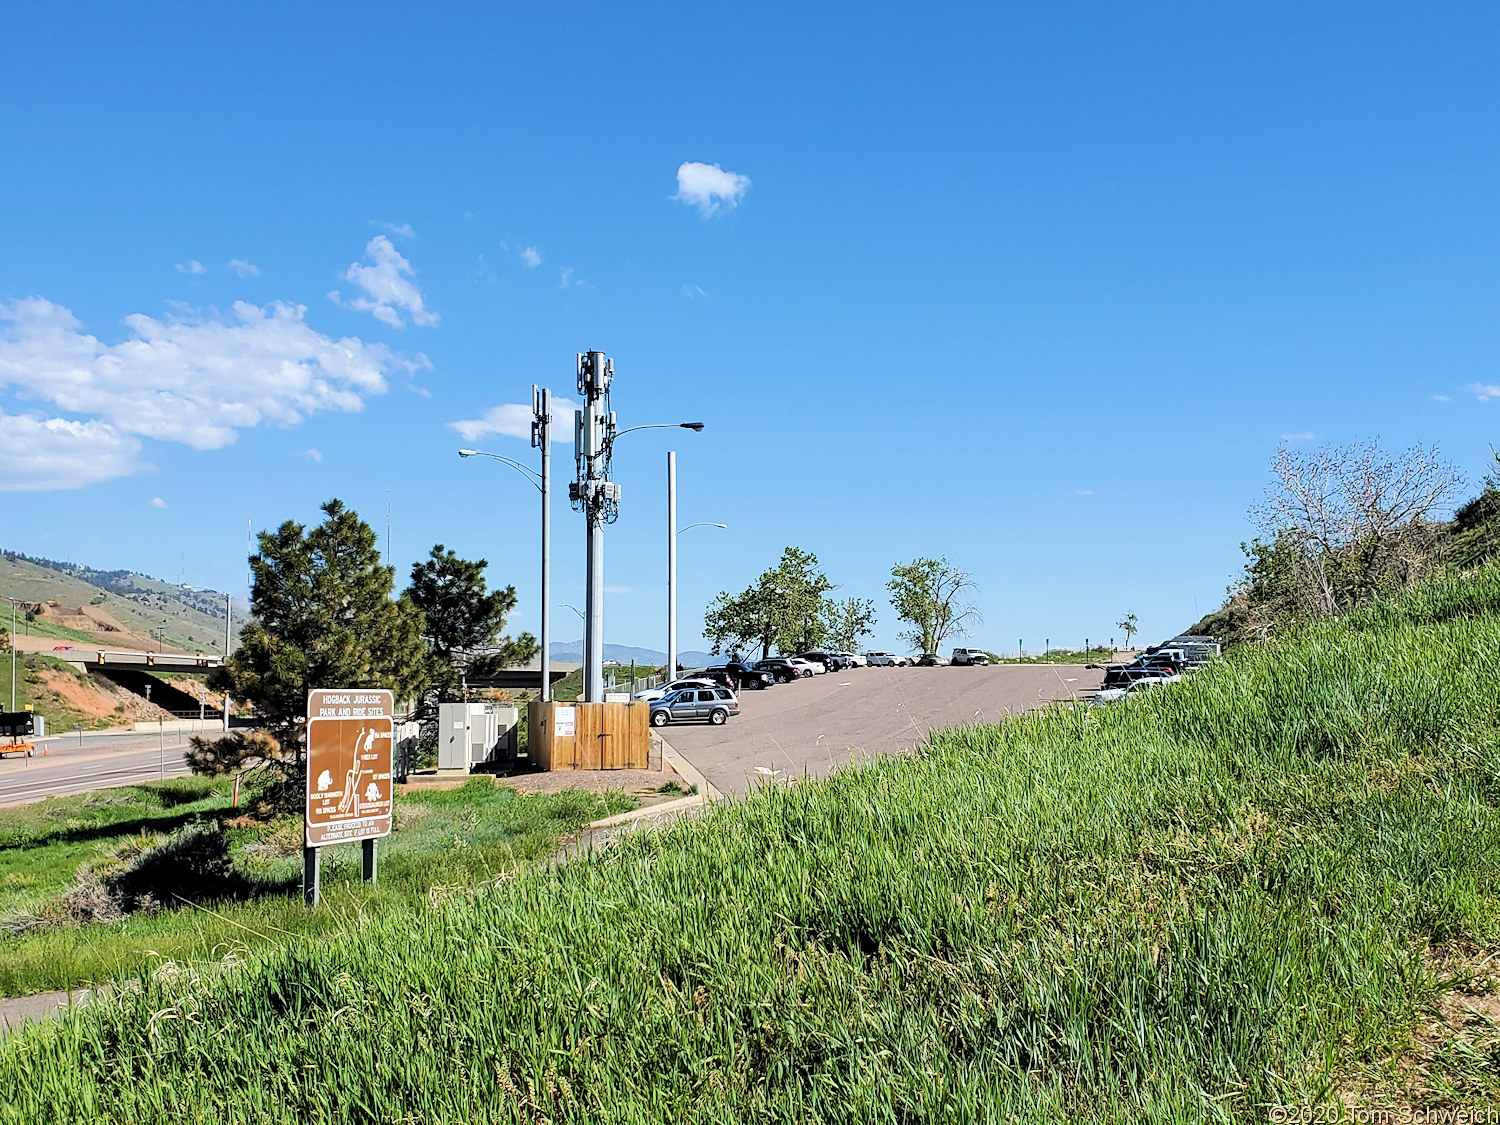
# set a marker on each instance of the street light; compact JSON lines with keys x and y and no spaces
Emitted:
{"x":12,"y":652}
{"x":541,"y":436}
{"x":672,"y":533}
{"x":672,"y":564}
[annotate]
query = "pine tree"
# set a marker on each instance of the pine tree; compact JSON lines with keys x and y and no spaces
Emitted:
{"x":464,"y":620}
{"x":321,"y":616}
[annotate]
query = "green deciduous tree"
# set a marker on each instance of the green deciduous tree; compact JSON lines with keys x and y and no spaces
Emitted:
{"x":784,"y":607}
{"x":321,"y":616}
{"x":464,"y":621}
{"x":846,"y":621}
{"x":1127,"y":625}
{"x":931,"y":596}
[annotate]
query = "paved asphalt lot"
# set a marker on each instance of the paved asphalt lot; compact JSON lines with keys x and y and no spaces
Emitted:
{"x":813,"y":726}
{"x":99,"y":762}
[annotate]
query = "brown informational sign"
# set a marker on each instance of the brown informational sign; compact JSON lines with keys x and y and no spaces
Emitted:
{"x":349,"y":740}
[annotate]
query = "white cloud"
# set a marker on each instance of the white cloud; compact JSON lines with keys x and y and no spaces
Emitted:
{"x":313,"y":455}
{"x":531,"y":256}
{"x":1303,"y":435}
{"x":709,"y":188}
{"x":404,"y":230}
{"x":196,"y":380}
{"x":619,"y":589}
{"x":568,"y":281}
{"x":244,"y":268}
{"x":513,"y":419}
{"x":47,"y":454}
{"x":385,"y":280}
{"x":1085,"y":492}
{"x":1441,"y":398}
{"x":192,"y":265}
{"x":1483,"y":391}
{"x":158,"y":502}
{"x":693,"y":292}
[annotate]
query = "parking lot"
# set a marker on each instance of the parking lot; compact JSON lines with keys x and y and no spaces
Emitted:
{"x":813,"y":726}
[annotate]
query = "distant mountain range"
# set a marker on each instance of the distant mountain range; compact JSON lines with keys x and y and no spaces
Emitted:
{"x":572,"y":652}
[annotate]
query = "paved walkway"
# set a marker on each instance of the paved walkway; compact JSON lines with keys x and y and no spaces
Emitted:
{"x":813,"y":726}
{"x":16,"y":1010}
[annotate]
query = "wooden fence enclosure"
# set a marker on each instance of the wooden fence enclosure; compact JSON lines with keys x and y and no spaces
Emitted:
{"x":589,"y":736}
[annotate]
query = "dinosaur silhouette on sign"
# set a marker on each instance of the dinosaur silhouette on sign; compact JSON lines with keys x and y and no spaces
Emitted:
{"x":351,"y":779}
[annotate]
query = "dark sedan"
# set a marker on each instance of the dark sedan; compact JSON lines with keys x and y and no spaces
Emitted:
{"x":782,"y":671}
{"x":737,"y":677}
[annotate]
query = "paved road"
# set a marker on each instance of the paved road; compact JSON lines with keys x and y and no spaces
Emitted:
{"x":96,"y":761}
{"x":815,"y":725}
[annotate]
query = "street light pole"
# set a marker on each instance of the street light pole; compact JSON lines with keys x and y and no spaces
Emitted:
{"x":12,"y":654}
{"x":541,"y":434}
{"x":671,"y":566}
{"x":672,"y":533}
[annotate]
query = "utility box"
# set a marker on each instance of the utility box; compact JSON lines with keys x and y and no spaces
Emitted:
{"x":472,"y":734}
{"x":589,"y":736}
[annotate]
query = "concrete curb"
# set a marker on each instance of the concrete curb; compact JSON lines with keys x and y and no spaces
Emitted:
{"x":687,"y":771}
{"x":666,"y":808}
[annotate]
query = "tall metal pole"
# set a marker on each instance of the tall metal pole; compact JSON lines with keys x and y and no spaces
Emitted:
{"x":228,"y":624}
{"x":671,"y":566}
{"x":598,"y":498}
{"x":541,"y":434}
{"x":13,"y":654}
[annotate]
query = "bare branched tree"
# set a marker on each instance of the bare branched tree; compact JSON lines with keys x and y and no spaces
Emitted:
{"x":1355,"y":520}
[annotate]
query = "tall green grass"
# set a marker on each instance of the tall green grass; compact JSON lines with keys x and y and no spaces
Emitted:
{"x":444,"y":839}
{"x":1186,"y":907}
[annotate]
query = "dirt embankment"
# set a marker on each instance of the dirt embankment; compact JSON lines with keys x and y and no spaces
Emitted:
{"x":94,"y":698}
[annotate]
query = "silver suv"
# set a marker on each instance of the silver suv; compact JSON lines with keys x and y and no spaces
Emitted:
{"x":970,"y":656}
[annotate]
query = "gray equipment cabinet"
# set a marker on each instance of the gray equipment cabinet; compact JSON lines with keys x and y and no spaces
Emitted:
{"x":474,"y":734}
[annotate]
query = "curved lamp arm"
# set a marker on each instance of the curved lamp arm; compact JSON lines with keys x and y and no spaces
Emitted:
{"x":531,"y":474}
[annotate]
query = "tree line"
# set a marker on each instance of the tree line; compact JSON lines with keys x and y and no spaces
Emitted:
{"x":791,"y":607}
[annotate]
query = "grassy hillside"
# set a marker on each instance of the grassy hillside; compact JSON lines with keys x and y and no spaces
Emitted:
{"x":153,"y":611}
{"x":1276,"y":883}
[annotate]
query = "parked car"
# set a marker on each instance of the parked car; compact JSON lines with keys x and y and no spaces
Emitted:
{"x":780,"y":669}
{"x":928,"y":660}
{"x":715,"y":705}
{"x":831,"y":661}
{"x":884,"y":660}
{"x":811,"y":668}
{"x":855,"y":659}
{"x":736,"y":676}
{"x":1196,"y":651}
{"x":1112,"y":694}
{"x":1127,"y":675}
{"x":676,"y":685}
{"x":969,"y":656}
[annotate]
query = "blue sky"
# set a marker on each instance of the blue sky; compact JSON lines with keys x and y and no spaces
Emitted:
{"x":1039,"y":287}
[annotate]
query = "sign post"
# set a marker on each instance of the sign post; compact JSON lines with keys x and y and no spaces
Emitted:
{"x":350,"y":737}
